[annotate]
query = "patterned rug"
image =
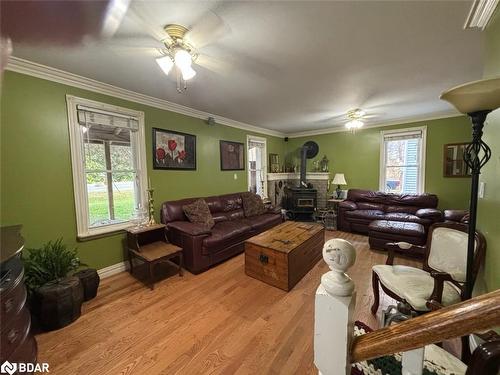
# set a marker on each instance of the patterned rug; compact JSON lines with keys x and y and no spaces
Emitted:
{"x":391,"y":365}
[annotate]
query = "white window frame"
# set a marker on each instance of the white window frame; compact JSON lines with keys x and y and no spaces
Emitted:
{"x":264,"y":162}
{"x":77,"y":163}
{"x":402,"y":132}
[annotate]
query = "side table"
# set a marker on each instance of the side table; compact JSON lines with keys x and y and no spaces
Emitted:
{"x":334,"y":202}
{"x":151,"y":246}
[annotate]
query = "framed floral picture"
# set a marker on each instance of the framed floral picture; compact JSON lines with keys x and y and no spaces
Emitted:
{"x":173,"y":150}
{"x":232,"y":156}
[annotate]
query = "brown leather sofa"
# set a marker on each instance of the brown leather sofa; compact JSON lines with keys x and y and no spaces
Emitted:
{"x":364,"y":206}
{"x":203,"y":247}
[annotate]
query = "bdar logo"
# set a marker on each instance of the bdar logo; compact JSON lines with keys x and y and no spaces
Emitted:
{"x":8,"y":368}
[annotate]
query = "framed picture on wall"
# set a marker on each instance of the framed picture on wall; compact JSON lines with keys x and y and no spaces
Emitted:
{"x":173,"y":150}
{"x":232,"y":156}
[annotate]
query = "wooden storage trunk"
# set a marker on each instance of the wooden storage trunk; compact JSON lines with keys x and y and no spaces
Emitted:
{"x":282,"y":255}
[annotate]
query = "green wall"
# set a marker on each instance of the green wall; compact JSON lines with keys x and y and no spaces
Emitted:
{"x":489,"y":206}
{"x":36,"y":180}
{"x":357,"y":155}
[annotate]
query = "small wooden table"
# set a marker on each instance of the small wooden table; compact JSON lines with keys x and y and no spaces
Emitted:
{"x":151,"y":245}
{"x":282,"y":255}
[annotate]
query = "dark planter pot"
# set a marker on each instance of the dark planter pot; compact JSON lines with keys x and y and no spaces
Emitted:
{"x":90,"y":282}
{"x":58,"y":303}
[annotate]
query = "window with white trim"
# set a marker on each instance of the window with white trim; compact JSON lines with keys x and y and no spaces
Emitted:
{"x":109,"y":165}
{"x":402,"y":161}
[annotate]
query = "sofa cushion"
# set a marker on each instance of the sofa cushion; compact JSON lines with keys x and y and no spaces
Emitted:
{"x":370,"y":206}
{"x":400,"y":216}
{"x":252,"y":204}
{"x":397,"y":228}
{"x":401,"y":209}
{"x":226,"y":233}
{"x":199,"y":213}
{"x":365,"y":214}
{"x":261,"y":222}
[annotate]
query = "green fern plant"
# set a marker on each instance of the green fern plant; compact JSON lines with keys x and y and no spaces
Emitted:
{"x":52,"y":261}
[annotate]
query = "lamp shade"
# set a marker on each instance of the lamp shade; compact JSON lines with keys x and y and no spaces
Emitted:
{"x":339,"y":179}
{"x":475,"y":96}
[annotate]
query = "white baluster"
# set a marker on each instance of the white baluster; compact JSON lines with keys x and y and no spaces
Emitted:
{"x":413,"y":362}
{"x":334,"y":308}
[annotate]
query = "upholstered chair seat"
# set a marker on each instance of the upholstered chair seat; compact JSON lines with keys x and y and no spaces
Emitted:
{"x":414,"y":285}
{"x":442,"y":279}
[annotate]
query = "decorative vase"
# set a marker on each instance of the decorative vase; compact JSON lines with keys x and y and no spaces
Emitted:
{"x":59,"y":302}
{"x":90,"y":282}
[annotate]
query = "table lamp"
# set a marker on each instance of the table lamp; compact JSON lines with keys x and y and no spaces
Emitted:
{"x":338,"y":180}
{"x":475,"y":99}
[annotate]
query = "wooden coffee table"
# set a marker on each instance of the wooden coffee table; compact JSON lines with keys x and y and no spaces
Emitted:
{"x":282,"y":255}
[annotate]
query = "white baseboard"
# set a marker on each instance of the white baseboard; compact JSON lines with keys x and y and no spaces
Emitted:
{"x":113,"y":269}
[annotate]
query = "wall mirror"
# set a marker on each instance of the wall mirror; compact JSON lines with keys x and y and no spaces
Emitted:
{"x":453,"y":160}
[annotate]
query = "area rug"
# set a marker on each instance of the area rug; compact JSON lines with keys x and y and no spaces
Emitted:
{"x":391,"y":365}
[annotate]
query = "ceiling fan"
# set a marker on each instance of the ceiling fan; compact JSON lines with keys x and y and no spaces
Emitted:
{"x":177,"y":46}
{"x":178,"y":53}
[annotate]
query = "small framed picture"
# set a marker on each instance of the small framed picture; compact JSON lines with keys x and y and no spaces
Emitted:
{"x":232,"y":156}
{"x":173,"y":150}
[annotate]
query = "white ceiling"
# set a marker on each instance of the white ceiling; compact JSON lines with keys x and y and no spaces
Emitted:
{"x":293,"y":66}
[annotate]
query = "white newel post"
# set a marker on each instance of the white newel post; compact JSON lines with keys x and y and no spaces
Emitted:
{"x":334,"y":308}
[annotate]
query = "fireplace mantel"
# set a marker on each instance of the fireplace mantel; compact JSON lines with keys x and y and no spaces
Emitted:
{"x":296,"y":176}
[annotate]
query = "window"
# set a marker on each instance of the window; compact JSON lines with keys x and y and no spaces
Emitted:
{"x":257,"y":167}
{"x":108,"y":160}
{"x":402,"y":161}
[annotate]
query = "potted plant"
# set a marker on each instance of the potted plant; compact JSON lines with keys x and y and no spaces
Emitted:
{"x":55,"y":295}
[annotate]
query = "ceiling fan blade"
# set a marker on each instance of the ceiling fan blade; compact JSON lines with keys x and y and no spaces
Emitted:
{"x":140,"y":16}
{"x":214,"y":64}
{"x":206,"y":30}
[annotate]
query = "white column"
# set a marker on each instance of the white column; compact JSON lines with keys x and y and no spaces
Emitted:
{"x":334,"y":308}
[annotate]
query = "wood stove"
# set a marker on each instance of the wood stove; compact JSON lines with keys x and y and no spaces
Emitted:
{"x":302,"y":200}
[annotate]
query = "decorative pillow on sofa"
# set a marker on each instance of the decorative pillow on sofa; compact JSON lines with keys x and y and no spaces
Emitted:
{"x":199,"y":213}
{"x":252,"y":204}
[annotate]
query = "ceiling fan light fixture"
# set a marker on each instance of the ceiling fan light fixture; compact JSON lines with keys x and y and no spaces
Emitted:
{"x":354,"y":124}
{"x":165,"y":63}
{"x":188,"y":73}
{"x":182,"y":59}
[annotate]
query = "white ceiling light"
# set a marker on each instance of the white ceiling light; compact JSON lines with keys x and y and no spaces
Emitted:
{"x":188,"y":73}
{"x":165,"y":63}
{"x":182,"y":59}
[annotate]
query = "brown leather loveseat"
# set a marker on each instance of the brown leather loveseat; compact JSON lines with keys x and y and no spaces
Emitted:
{"x":364,"y":206}
{"x":204,"y":247}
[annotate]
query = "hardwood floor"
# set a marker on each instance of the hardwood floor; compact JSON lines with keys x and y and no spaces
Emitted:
{"x":219,"y":322}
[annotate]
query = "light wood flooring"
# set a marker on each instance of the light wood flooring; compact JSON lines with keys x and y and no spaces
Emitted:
{"x":218,"y":322}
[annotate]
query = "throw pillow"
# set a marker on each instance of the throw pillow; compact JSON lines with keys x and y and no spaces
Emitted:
{"x":252,"y":204}
{"x":199,"y":213}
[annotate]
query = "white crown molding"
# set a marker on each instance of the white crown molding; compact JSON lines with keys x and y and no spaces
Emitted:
{"x":480,"y":14}
{"x":112,"y":270}
{"x":339,"y":129}
{"x":30,"y":68}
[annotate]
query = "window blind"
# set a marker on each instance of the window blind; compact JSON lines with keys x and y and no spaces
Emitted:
{"x":403,"y":136}
{"x":89,"y":117}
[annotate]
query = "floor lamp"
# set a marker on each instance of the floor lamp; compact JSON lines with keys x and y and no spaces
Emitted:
{"x":475,"y":99}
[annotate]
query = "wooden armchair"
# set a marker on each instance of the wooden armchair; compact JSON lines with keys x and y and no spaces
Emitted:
{"x":441,"y":281}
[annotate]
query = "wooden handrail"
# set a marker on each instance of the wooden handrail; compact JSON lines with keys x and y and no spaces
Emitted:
{"x":477,"y":314}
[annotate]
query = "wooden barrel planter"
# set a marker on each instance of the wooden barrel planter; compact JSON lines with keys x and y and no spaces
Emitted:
{"x":59,"y":302}
{"x":90,"y":282}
